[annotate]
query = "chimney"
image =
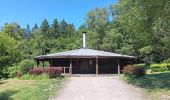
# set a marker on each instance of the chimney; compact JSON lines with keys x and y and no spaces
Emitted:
{"x":84,"y":39}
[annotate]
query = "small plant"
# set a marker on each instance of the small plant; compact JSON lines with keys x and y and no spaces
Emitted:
{"x":133,"y":71}
{"x":19,"y":74}
{"x":54,"y":71}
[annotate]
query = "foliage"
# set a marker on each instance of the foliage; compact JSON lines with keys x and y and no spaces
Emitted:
{"x":25,"y":65}
{"x":19,"y":74}
{"x":167,"y":60}
{"x":54,"y":72}
{"x":159,"y":67}
{"x":9,"y":53}
{"x":13,"y":70}
{"x":133,"y":71}
{"x":36,"y":71}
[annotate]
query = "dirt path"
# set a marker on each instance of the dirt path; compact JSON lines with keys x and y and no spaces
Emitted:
{"x":97,"y":88}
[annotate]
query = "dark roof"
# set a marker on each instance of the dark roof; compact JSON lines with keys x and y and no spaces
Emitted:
{"x":84,"y":53}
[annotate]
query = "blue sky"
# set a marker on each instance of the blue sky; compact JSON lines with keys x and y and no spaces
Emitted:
{"x":34,"y":11}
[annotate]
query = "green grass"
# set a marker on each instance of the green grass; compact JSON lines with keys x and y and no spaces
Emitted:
{"x":155,"y":86}
{"x":15,"y":89}
{"x":34,"y":77}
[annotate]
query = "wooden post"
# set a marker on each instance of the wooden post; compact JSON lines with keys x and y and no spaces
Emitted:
{"x":118,"y":66}
{"x":38,"y":63}
{"x":43,"y":63}
{"x":64,"y":70}
{"x":97,"y":66}
{"x":70,"y":71}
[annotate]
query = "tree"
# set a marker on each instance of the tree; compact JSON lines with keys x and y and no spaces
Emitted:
{"x":113,"y":41}
{"x":35,"y":27}
{"x":97,"y":21}
{"x":55,"y":29}
{"x":9,"y":53}
{"x":45,"y":29}
{"x":71,"y":29}
{"x":27,"y":33}
{"x":63,"y":28}
{"x":13,"y":30}
{"x":144,"y":23}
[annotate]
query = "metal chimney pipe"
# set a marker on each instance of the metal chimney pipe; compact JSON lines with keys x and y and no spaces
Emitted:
{"x":84,"y":39}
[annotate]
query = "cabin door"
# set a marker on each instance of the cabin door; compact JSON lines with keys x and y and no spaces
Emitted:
{"x":84,"y":66}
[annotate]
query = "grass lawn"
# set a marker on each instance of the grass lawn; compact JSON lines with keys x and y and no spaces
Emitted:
{"x":15,"y":89}
{"x":155,"y":86}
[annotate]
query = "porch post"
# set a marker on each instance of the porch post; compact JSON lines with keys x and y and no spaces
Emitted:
{"x":97,"y":66}
{"x":118,"y":66}
{"x":70,"y":71}
{"x":38,"y":63}
{"x":43,"y":63}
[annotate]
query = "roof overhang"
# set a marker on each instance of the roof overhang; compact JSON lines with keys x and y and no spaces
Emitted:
{"x":83,"y":53}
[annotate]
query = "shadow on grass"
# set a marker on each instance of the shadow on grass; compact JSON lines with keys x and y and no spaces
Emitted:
{"x":1,"y":83}
{"x":6,"y":95}
{"x":152,"y":81}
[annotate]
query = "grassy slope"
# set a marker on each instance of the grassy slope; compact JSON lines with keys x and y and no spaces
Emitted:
{"x":155,"y":86}
{"x":14,"y":89}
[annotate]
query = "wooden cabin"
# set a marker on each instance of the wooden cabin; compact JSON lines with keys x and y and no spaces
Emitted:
{"x":87,"y":61}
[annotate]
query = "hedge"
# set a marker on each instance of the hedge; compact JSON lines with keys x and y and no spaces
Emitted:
{"x":133,"y":71}
{"x":160,"y":67}
{"x":53,"y":72}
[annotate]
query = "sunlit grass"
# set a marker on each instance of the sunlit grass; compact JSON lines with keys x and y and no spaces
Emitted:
{"x":15,"y":89}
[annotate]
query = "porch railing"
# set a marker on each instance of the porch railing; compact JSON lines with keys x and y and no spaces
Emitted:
{"x":65,"y":69}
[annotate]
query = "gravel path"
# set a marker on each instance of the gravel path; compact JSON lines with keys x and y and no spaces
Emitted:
{"x":97,"y":88}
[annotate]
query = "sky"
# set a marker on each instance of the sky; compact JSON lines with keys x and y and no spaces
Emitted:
{"x":34,"y":11}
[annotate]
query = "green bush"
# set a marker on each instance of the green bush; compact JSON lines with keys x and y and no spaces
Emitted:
{"x":167,"y":60}
{"x":25,"y":65}
{"x":160,"y":67}
{"x":168,"y":66}
{"x":133,"y":71}
{"x":13,"y":70}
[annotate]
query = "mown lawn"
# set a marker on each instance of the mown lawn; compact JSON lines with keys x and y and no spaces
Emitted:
{"x":15,"y":89}
{"x":155,"y":86}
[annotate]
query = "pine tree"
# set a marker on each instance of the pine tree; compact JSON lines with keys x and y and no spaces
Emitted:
{"x":45,"y":28}
{"x":55,"y":29}
{"x":63,"y":28}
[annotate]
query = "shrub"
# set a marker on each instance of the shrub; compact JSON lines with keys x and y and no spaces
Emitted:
{"x":54,"y":72}
{"x":13,"y":70}
{"x":133,"y":71}
{"x":19,"y":74}
{"x":25,"y":65}
{"x":36,"y":71}
{"x":168,"y":67}
{"x":167,"y":60}
{"x":159,"y":67}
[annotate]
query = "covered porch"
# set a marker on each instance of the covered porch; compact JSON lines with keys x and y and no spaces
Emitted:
{"x":88,"y":65}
